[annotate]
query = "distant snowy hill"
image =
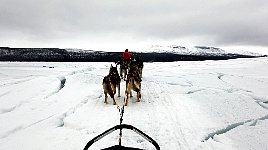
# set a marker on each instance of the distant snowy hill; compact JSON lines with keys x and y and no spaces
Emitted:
{"x":197,"y":50}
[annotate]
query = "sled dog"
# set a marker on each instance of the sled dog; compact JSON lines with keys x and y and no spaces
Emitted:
{"x":133,"y":83}
{"x":110,"y":82}
{"x":123,"y":69}
{"x":139,"y":64}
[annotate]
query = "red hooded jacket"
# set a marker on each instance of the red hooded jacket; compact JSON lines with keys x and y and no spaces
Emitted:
{"x":126,"y":55}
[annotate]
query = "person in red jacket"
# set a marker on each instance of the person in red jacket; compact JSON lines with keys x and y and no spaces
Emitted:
{"x":126,"y":55}
{"x":126,"y":60}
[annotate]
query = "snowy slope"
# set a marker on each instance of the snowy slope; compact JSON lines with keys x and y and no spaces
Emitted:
{"x":185,"y":105}
{"x":197,"y":50}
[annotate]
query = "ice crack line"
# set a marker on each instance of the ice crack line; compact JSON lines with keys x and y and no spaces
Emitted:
{"x":70,"y":112}
{"x":194,"y":91}
{"x":62,"y":82}
{"x":262,"y":104}
{"x":220,"y":75}
{"x":252,"y":122}
{"x":61,"y":86}
{"x":7,"y":110}
{"x":261,"y":101}
{"x":4,"y":93}
{"x":15,"y":82}
{"x":21,"y":127}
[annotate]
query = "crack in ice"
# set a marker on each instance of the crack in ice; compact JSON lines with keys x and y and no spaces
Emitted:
{"x":233,"y":126}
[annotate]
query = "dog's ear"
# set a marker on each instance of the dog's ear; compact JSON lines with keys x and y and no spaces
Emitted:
{"x":111,"y":66}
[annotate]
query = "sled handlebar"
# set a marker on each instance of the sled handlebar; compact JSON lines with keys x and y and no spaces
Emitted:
{"x":122,"y":126}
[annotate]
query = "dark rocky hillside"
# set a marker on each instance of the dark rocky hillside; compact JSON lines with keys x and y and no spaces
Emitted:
{"x":63,"y":55}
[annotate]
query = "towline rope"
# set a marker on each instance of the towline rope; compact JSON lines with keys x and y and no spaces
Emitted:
{"x":121,"y":111}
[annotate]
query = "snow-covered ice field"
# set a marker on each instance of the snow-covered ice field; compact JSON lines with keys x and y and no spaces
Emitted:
{"x":185,"y":105}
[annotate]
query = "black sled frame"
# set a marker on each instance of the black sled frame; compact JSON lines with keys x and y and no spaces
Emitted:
{"x":120,"y":147}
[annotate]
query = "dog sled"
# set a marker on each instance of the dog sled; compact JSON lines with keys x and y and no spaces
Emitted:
{"x":121,"y":127}
{"x":119,"y":146}
{"x":132,"y":74}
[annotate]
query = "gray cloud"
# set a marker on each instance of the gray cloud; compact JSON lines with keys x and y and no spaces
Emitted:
{"x":224,"y":22}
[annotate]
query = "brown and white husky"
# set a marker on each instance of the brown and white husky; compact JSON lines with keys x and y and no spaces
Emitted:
{"x":110,"y":82}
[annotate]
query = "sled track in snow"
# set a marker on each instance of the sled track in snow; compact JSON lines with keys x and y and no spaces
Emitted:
{"x":163,"y":115}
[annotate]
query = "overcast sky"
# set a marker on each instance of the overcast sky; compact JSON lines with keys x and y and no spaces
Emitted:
{"x":119,"y":24}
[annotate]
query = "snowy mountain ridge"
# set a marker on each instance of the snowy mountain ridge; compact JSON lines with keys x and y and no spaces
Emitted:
{"x":196,"y":50}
